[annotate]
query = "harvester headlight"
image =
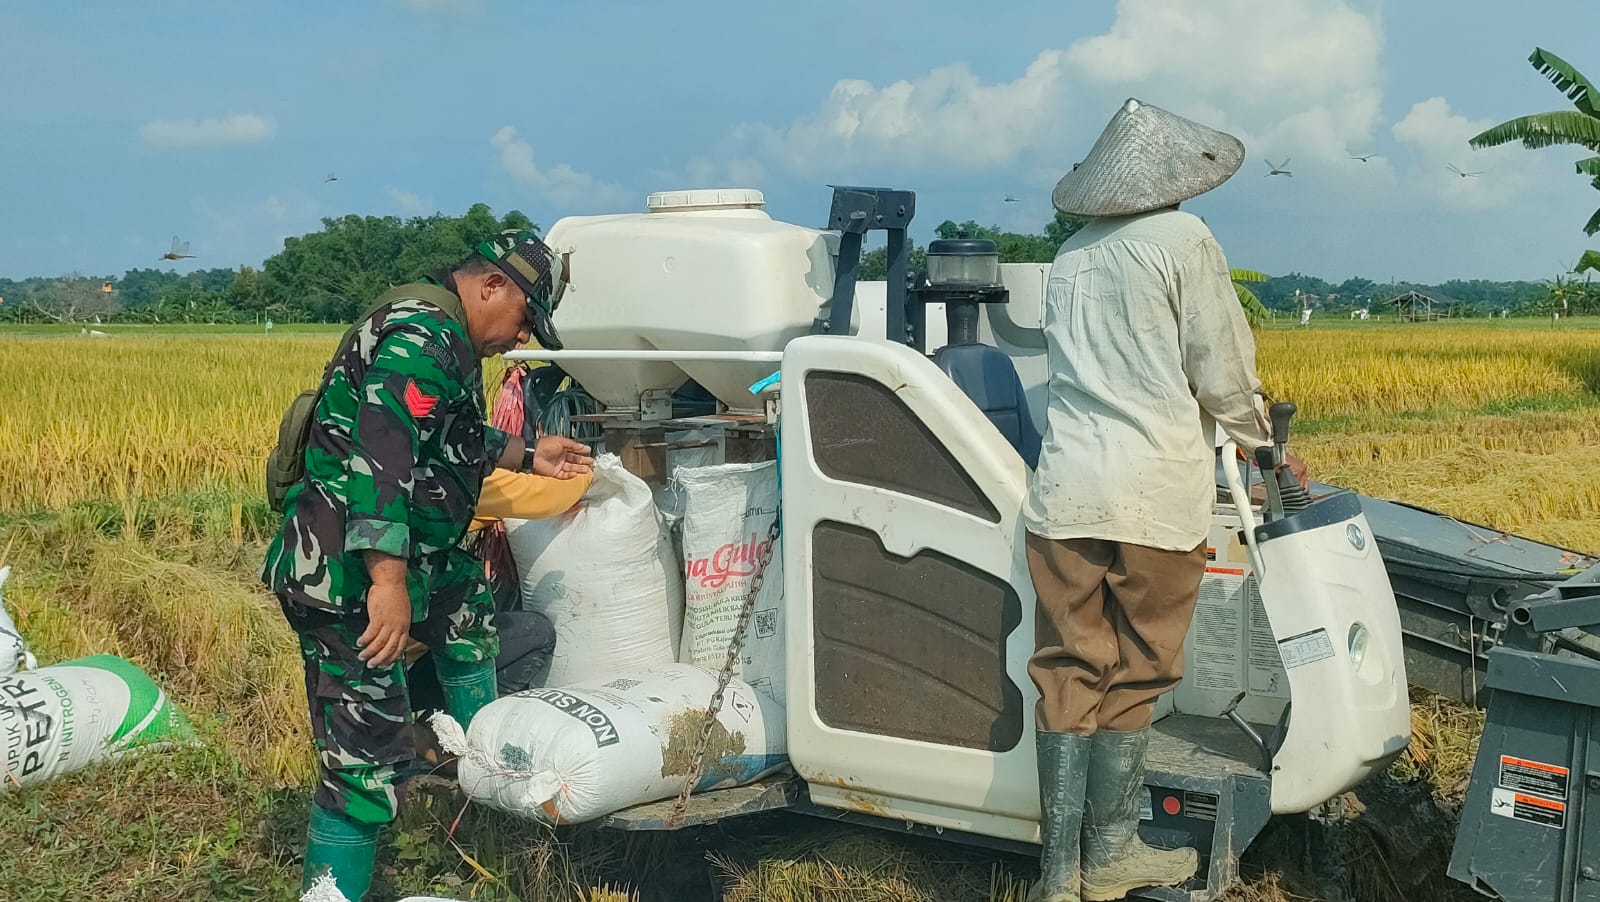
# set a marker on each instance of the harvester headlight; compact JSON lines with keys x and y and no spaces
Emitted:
{"x":1358,"y":645}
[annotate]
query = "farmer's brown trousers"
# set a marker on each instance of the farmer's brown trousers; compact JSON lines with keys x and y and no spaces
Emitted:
{"x":1109,"y":629}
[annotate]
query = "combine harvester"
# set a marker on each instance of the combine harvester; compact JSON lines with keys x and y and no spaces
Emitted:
{"x":906,"y":419}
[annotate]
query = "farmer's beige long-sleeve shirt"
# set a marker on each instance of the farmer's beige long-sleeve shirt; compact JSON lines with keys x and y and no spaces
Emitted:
{"x":1149,"y":351}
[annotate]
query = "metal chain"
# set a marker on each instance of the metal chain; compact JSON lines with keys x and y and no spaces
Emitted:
{"x":735,"y":644}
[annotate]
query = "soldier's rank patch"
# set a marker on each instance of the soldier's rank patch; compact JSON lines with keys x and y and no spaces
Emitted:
{"x":418,"y":403}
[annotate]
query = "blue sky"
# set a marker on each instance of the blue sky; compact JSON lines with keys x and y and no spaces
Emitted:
{"x":125,"y":124}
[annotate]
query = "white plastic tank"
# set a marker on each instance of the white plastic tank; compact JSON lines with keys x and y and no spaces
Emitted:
{"x":700,"y":270}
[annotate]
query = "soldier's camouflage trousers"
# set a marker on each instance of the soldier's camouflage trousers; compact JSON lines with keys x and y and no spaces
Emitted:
{"x":367,"y":743}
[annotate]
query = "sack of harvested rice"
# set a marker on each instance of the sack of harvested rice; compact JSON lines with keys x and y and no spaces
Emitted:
{"x":606,"y":577}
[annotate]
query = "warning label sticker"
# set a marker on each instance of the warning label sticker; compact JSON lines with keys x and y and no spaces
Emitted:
{"x":1305,"y":648}
{"x":1147,"y":810}
{"x":1533,"y":809}
{"x":1214,"y":657}
{"x":1536,"y":777}
{"x":1267,"y":676}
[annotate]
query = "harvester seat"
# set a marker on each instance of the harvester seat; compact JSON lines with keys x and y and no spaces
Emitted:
{"x":986,"y":375}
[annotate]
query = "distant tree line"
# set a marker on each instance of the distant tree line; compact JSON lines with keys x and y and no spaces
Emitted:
{"x":328,"y":275}
{"x":1012,"y":246}
{"x":1465,"y":298}
{"x":1292,"y":292}
{"x":325,"y":276}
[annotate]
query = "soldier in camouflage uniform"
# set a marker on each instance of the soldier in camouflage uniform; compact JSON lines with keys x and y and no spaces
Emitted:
{"x":369,"y":554}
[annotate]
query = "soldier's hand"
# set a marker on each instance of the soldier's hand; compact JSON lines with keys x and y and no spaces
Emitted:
{"x":561,"y":457}
{"x":388,"y":624}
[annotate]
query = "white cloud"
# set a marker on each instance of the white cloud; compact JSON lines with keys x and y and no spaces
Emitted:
{"x":234,"y":130}
{"x":1298,"y":79}
{"x":560,"y":184}
{"x":411,"y":204}
{"x":1257,"y":59}
{"x":1290,"y":77}
{"x":1295,"y":79}
{"x":1437,"y":137}
{"x":948,"y":116}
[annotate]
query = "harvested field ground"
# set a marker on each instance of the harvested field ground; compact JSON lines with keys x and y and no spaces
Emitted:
{"x":130,"y":513}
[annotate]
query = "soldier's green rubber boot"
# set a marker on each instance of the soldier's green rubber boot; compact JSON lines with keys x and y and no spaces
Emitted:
{"x":1063,"y":762}
{"x":467,"y":687}
{"x":342,"y":848}
{"x":1115,"y":860}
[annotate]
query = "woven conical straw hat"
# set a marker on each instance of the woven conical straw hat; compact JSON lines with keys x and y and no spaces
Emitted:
{"x":1146,"y":159}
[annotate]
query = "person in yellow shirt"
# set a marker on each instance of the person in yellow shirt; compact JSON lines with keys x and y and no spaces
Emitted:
{"x":508,"y":494}
{"x":527,"y":638}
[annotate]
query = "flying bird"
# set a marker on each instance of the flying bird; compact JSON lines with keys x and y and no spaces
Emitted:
{"x":1277,"y":168}
{"x":1363,"y":157}
{"x":178,"y":252}
{"x":1465,"y":175}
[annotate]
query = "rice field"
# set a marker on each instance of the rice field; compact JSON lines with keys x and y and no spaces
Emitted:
{"x":1489,"y":421}
{"x":130,"y":505}
{"x":143,"y":415}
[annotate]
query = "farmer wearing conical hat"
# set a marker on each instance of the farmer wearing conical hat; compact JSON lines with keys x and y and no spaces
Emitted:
{"x":1149,"y":351}
{"x":370,"y":556}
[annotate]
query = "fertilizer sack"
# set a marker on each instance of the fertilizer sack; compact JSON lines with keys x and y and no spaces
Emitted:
{"x":574,"y":754}
{"x":14,"y":653}
{"x":727,"y":518}
{"x":605,"y":575}
{"x":69,"y":716}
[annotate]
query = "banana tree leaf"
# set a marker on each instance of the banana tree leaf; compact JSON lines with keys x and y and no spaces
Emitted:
{"x":1567,"y":79}
{"x":1254,"y":311}
{"x":1542,"y":130}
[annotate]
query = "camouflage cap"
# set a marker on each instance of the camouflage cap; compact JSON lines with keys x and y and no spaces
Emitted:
{"x":537,"y":270}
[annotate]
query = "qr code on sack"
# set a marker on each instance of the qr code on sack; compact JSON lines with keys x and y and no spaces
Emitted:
{"x":622,"y":685}
{"x":767,"y":623}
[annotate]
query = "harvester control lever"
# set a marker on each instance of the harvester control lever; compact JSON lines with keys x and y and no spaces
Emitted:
{"x":1280,"y":414}
{"x":1267,"y":462}
{"x":1284,"y":494}
{"x":1290,"y":496}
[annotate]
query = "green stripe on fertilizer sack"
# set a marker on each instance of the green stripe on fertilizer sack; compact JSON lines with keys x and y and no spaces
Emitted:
{"x":151,"y":716}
